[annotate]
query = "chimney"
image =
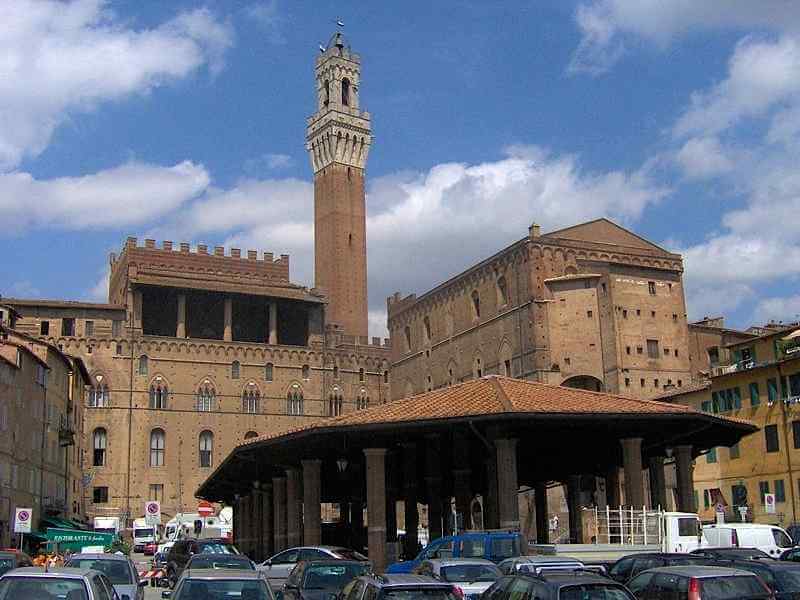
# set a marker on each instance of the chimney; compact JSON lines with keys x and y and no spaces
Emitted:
{"x":534,"y":231}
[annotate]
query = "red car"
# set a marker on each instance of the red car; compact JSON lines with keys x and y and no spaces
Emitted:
{"x":150,"y":548}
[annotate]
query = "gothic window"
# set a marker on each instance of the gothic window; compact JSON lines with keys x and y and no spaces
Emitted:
{"x":206,"y":397}
{"x":306,"y":372}
{"x":476,"y":304}
{"x":427,"y":326}
{"x":206,"y":448}
{"x":250,"y":435}
{"x":345,"y":92}
{"x":477,"y":367}
{"x":407,"y":332}
{"x":99,"y":441}
{"x":268,"y":372}
{"x":327,"y":92}
{"x":335,"y":402}
{"x":158,"y":395}
{"x":362,"y":402}
{"x":143,"y":364}
{"x":157,"y":439}
{"x":294,"y":400}
{"x":98,"y":393}
{"x":251,"y":399}
{"x":502,"y":291}
{"x":235,"y":367}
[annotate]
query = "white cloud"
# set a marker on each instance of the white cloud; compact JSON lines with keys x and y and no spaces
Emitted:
{"x":268,"y":17}
{"x":703,"y":157}
{"x":786,"y":308}
{"x":99,"y":291}
{"x":131,"y":194}
{"x":267,"y":162}
{"x":607,"y":26}
{"x":59,"y":58}
{"x":22,"y":289}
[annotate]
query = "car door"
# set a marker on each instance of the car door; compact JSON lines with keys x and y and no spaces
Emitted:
{"x":101,"y":590}
{"x":279,"y":566}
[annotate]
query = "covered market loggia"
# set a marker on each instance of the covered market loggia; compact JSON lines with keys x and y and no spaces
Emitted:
{"x":487,"y":437}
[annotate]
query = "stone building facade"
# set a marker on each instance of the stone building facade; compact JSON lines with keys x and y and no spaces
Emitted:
{"x":41,"y":448}
{"x":708,"y":345}
{"x":591,"y":306}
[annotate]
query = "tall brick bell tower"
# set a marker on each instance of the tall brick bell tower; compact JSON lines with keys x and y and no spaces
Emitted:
{"x":338,"y":138}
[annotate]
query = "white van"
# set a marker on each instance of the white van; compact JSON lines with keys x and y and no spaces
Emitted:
{"x":768,"y":538}
{"x":143,"y":534}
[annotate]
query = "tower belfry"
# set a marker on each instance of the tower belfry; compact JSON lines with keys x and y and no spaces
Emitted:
{"x":338,"y":138}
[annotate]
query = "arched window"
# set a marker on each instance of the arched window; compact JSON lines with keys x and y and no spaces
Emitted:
{"x":335,"y":402}
{"x":158,"y":395}
{"x":235,"y":367}
{"x":251,"y":399}
{"x":268,"y":372}
{"x":99,"y":442}
{"x":306,"y":372}
{"x":250,"y":435}
{"x":476,"y":304}
{"x":346,"y":92}
{"x":98,"y":393}
{"x":502,"y":291}
{"x":143,"y":364}
{"x":294,"y":400}
{"x":426,"y":322}
{"x":477,"y":367}
{"x":206,"y":447}
{"x":157,"y":439}
{"x":206,"y":397}
{"x":362,"y":401}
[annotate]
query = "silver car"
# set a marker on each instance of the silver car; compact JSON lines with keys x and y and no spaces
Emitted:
{"x":119,"y":569}
{"x":472,"y":575}
{"x":208,"y":584}
{"x":277,"y":568}
{"x":537,"y":563}
{"x":31,"y":583}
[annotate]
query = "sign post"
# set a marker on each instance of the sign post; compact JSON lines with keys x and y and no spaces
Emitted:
{"x":22,"y":523}
{"x":769,"y":503}
{"x":152,"y":513}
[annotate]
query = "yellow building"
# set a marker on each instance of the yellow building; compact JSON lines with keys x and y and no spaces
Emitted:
{"x":760,"y":383}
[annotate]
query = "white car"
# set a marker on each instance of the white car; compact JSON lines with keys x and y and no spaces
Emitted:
{"x":768,"y":538}
{"x":472,"y":575}
{"x":277,"y":568}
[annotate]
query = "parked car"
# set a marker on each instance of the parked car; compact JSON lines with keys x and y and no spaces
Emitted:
{"x":490,"y":545}
{"x":322,"y":579}
{"x":31,"y":583}
{"x":205,"y":584}
{"x":698,"y":583}
{"x":535,"y":563}
{"x":770,"y":539}
{"x":731,"y":553}
{"x":278,"y":567}
{"x":120,"y":570}
{"x":783,"y":578}
{"x":628,"y":567}
{"x":12,"y":559}
{"x":221,"y":561}
{"x":557,"y":585}
{"x":183,"y":550}
{"x":472,"y":576}
{"x":794,"y":533}
{"x":402,"y":586}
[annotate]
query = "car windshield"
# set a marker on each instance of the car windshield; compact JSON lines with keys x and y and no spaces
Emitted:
{"x":598,"y":591}
{"x":6,"y":564}
{"x":117,"y":571}
{"x":470,"y":573}
{"x":419,"y":594}
{"x":220,"y":562}
{"x":788,"y":580}
{"x":218,"y":548}
{"x":505,"y":547}
{"x":140,"y":533}
{"x":350,"y":554}
{"x":332,"y":577}
{"x":733,"y":588}
{"x":234,"y":589}
{"x":36,"y":588}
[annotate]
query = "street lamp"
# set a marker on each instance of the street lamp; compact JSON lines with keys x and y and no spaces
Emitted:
{"x":341,"y":464}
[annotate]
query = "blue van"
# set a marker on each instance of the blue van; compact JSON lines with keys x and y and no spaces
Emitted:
{"x":494,"y":546}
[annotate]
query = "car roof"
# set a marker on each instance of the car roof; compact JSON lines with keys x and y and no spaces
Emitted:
{"x":98,"y":556}
{"x":74,"y":572}
{"x":333,"y":561}
{"x":699,"y":571}
{"x":563,"y":578}
{"x":448,"y":562}
{"x":771,"y":564}
{"x":219,"y":555}
{"x":544,"y":559}
{"x":406,"y":579}
{"x":741,"y":526}
{"x":221,"y":574}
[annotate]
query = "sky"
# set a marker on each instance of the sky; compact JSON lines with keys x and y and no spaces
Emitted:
{"x":185,"y":121}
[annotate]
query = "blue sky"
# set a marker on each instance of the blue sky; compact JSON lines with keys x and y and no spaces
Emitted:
{"x":185,"y":121}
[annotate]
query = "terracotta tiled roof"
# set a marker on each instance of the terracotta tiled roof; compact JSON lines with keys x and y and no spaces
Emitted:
{"x":61,"y":303}
{"x":696,"y":386}
{"x":494,"y":395}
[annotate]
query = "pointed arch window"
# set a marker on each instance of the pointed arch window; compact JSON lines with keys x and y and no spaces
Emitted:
{"x":477,"y":367}
{"x":327,"y":92}
{"x":157,"y":443}
{"x":97,"y":394}
{"x":407,"y":332}
{"x":251,"y":400}
{"x":99,"y":443}
{"x":206,"y":448}
{"x":476,"y":304}
{"x":345,"y":92}
{"x":206,"y":397}
{"x":426,"y":322}
{"x":362,"y":401}
{"x":235,"y":369}
{"x":269,"y":371}
{"x":335,"y":402}
{"x":143,"y":364}
{"x":502,"y":291}
{"x":294,"y":400}
{"x":250,"y":435}
{"x":158,"y":395}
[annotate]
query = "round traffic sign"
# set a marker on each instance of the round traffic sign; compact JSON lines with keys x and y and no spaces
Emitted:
{"x":152,"y":508}
{"x":23,"y":515}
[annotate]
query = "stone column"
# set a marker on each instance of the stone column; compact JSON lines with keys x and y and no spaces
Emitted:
{"x":433,"y":478}
{"x":542,"y":515}
{"x":273,"y":324}
{"x":410,"y":500}
{"x":507,"y":486}
{"x":491,"y":519}
{"x":612,"y":487}
{"x":244,"y":524}
{"x":658,"y":484}
{"x":228,"y":332}
{"x":684,"y":474}
{"x":258,"y":527}
{"x":574,"y":507}
{"x":293,"y":537}
{"x":279,"y":512}
{"x":634,"y":482}
{"x":237,"y":521}
{"x":376,"y":507}
{"x":462,"y":476}
{"x":181,"y":329}
{"x":267,"y":520}
{"x":312,"y":498}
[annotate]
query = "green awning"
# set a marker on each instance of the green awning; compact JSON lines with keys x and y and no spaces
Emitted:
{"x":38,"y":535}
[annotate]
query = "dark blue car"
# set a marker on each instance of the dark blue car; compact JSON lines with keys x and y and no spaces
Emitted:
{"x":494,"y":546}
